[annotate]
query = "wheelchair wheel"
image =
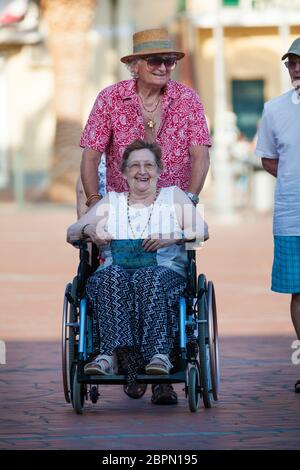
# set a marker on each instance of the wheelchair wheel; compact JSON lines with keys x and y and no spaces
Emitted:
{"x":78,"y":394}
{"x":65,"y":344}
{"x":213,"y":340}
{"x":204,"y":356}
{"x":94,"y":394}
{"x":193,"y":388}
{"x":69,"y":339}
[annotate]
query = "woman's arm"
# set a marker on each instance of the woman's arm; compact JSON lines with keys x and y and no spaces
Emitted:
{"x":94,"y":220}
{"x":200,"y":166}
{"x":189,"y":217}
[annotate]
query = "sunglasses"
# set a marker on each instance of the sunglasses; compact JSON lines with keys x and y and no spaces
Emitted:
{"x":291,"y":64}
{"x":156,"y":61}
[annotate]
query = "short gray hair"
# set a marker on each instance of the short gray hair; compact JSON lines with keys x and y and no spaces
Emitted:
{"x":130,"y":64}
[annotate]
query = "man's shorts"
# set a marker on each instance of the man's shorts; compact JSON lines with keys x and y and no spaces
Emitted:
{"x":286,"y":265}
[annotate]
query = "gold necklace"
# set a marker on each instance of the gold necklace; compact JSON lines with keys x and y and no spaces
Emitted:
{"x":150,"y":123}
{"x":150,"y":110}
{"x":149,"y":218}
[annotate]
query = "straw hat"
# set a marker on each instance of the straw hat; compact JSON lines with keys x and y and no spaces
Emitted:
{"x":152,"y":41}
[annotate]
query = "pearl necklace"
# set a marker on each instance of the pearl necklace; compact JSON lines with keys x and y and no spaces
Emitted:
{"x":149,"y":218}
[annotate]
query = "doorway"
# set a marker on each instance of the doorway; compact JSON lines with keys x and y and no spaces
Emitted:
{"x":247,"y":103}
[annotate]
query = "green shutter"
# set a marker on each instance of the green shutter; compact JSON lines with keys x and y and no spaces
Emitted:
{"x":181,"y":6}
{"x":231,"y":3}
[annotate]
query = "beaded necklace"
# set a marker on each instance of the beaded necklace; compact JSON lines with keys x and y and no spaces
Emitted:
{"x":149,"y":218}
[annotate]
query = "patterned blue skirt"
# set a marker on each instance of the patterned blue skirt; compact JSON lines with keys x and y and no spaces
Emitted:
{"x":286,"y":265}
{"x":135,"y":315}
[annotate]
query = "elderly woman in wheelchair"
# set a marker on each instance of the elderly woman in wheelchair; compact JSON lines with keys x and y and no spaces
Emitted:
{"x":142,"y":273}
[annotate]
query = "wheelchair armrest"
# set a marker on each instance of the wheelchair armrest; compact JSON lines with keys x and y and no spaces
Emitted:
{"x":81,"y":244}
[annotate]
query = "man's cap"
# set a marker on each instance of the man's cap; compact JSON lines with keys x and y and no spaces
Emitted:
{"x":294,"y":49}
{"x":152,"y":41}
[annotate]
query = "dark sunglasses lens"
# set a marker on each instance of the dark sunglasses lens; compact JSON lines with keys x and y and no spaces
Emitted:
{"x":156,"y":61}
{"x":170,"y":61}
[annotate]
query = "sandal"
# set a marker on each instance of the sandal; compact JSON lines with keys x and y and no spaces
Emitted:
{"x":135,"y":390}
{"x":159,"y":365}
{"x":101,"y":365}
{"x":163,"y":394}
{"x":297,"y":387}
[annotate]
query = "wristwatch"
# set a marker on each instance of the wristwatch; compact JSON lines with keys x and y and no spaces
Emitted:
{"x":193,"y":197}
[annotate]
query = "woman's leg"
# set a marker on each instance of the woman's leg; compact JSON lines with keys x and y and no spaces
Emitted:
{"x":156,"y":298}
{"x":110,"y":296}
{"x":156,"y":304}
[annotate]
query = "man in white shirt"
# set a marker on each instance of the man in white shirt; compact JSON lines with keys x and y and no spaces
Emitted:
{"x":278,"y":145}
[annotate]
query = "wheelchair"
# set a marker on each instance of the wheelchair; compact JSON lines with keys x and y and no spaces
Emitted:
{"x":198,"y":362}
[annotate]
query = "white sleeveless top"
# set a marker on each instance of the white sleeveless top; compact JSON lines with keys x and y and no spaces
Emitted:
{"x":163,"y":221}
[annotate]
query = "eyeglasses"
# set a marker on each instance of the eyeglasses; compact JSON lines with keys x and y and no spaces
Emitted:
{"x":137,"y":166}
{"x":155,"y":61}
{"x":291,"y":64}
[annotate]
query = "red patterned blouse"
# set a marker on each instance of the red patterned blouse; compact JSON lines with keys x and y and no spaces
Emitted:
{"x":116,"y":121}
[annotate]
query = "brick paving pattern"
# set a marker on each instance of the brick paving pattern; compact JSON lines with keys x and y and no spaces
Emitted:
{"x":258,"y":408}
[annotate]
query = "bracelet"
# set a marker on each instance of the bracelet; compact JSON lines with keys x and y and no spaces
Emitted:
{"x":82,"y":230}
{"x":193,"y":197}
{"x":91,"y":197}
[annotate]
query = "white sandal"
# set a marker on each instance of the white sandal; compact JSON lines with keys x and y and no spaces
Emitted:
{"x":101,"y":365}
{"x":159,"y":365}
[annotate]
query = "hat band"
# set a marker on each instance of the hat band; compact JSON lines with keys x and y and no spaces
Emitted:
{"x":144,"y":46}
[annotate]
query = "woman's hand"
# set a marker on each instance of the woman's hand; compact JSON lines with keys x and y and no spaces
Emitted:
{"x":98,"y":236}
{"x":154,"y":242}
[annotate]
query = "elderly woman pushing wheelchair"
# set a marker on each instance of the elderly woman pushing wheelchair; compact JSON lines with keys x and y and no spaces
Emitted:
{"x":142,"y":273}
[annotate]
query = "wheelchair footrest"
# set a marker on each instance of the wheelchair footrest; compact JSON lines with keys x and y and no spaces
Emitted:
{"x":177,"y":377}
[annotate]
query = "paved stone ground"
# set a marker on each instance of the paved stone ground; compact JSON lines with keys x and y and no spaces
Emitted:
{"x":257,"y":409}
